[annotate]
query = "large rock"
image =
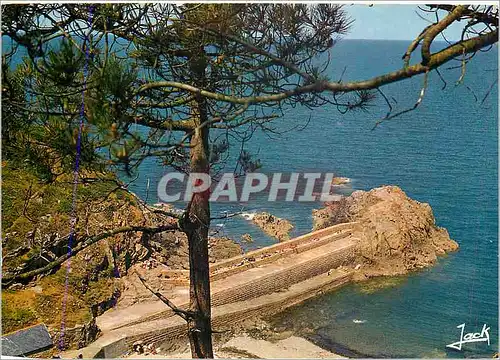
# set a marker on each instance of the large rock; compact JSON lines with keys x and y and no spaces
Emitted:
{"x":396,"y":234}
{"x":171,"y":249}
{"x":273,"y":226}
{"x":221,"y":248}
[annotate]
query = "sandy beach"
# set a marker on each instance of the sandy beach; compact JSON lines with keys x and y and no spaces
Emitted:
{"x":244,"y":346}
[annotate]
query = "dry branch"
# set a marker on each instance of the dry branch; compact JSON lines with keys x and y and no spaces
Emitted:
{"x":434,"y":61}
{"x":185,"y":314}
{"x":84,"y":244}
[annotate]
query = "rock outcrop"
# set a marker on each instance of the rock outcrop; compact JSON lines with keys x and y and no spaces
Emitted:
{"x":246,"y":238}
{"x":396,"y":234}
{"x":171,"y":249}
{"x":336,"y":181}
{"x":273,"y":226}
{"x":220,"y":248}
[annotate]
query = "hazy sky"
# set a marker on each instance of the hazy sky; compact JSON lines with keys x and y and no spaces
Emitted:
{"x":397,"y":22}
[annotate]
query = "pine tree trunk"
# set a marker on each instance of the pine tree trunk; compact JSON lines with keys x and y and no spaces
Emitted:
{"x":196,"y":226}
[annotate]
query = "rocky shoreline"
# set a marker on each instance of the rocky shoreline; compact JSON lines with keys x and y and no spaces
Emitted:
{"x":395,"y":235}
{"x":254,"y":339}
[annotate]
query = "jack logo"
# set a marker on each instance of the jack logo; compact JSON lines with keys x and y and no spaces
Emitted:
{"x":483,"y":336}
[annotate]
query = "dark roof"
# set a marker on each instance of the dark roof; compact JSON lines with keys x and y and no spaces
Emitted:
{"x":27,"y":341}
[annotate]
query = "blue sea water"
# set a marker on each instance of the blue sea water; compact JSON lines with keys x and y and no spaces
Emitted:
{"x":444,"y":153}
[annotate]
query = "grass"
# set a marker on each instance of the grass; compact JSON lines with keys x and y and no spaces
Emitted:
{"x":17,"y":310}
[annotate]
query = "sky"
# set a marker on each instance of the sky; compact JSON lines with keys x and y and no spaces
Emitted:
{"x":391,"y":22}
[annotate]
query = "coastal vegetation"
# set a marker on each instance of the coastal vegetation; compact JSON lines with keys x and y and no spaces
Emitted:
{"x":36,"y":216}
{"x":186,"y":85}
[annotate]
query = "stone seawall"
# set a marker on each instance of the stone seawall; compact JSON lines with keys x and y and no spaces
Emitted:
{"x":268,"y":282}
{"x":224,"y":316}
{"x":283,"y":279}
{"x":224,"y":268}
{"x":262,"y":282}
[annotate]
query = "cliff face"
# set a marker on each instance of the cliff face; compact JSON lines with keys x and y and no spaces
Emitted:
{"x":171,"y":249}
{"x":396,"y":234}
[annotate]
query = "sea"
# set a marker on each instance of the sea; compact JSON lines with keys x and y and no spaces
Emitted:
{"x":444,"y":153}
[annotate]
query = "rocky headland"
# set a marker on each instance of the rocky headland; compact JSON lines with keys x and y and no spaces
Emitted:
{"x":395,"y":234}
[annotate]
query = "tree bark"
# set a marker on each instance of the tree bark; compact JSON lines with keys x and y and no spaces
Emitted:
{"x":196,"y":226}
{"x":197,"y":223}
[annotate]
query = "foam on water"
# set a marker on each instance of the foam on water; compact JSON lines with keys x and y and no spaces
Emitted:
{"x":248,"y":216}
